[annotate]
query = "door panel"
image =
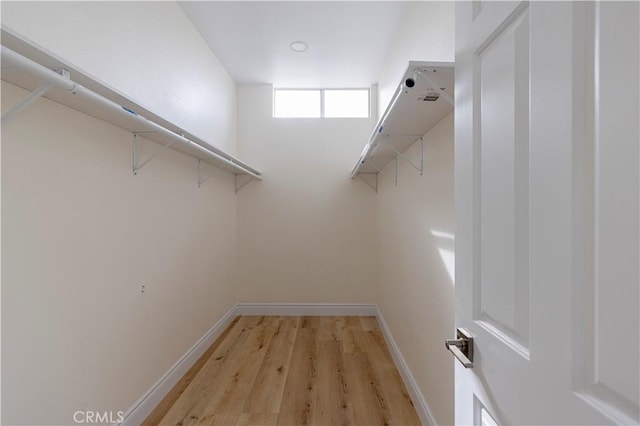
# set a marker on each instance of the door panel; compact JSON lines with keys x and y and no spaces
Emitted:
{"x":547,"y":211}
{"x":611,"y":218}
{"x":502,"y":74}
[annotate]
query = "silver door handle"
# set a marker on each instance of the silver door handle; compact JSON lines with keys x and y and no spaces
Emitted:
{"x":462,"y":347}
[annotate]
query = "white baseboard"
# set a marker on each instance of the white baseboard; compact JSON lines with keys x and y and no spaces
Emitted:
{"x":145,"y":405}
{"x":307,"y":309}
{"x":419,"y":402}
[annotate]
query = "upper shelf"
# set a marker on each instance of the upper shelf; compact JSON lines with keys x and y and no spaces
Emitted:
{"x":422,"y":99}
{"x":31,"y":68}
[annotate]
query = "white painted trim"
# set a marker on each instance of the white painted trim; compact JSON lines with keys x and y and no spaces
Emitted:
{"x":419,"y":402}
{"x":145,"y":405}
{"x":308,"y":309}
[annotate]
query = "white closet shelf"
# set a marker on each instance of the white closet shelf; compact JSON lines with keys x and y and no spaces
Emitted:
{"x":40,"y":72}
{"x":423,"y":98}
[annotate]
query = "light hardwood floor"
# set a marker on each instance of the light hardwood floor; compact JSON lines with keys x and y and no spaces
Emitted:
{"x":292,"y":371}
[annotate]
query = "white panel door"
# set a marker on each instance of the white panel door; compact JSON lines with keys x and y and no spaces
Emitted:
{"x":547,"y":211}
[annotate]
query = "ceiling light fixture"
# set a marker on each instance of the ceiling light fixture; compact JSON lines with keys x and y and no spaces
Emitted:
{"x":298,"y":46}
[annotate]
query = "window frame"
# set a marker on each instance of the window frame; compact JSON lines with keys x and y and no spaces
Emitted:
{"x":322,"y":102}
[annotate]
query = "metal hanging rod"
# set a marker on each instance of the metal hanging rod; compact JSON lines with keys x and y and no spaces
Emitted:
{"x":63,"y":81}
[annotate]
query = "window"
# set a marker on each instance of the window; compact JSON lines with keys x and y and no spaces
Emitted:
{"x":315,"y":103}
{"x":346,"y":103}
{"x":297,"y":103}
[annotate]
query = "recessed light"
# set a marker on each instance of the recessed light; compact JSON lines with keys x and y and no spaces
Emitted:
{"x":298,"y":46}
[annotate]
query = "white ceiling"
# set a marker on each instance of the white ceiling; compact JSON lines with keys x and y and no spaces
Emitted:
{"x":348,"y":40}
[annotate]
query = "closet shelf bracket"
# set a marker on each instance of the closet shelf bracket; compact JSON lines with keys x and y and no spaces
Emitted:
{"x":33,"y":96}
{"x":371,"y":179}
{"x":241,"y":181}
{"x":372,"y":164}
{"x":137,"y":164}
{"x":37,"y":93}
{"x":378,"y":170}
{"x":401,"y":156}
{"x":201,"y":179}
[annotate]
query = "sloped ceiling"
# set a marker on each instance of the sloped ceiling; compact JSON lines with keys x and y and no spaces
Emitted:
{"x":348,"y":41}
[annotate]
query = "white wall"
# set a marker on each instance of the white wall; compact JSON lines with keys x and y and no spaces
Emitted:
{"x":426,"y":33}
{"x":415,"y":220}
{"x":81,"y":234}
{"x":148,"y":51}
{"x":416,"y":258}
{"x":307,"y":232}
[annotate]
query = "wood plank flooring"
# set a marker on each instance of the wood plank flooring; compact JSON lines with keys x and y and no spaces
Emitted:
{"x":268,"y":370}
